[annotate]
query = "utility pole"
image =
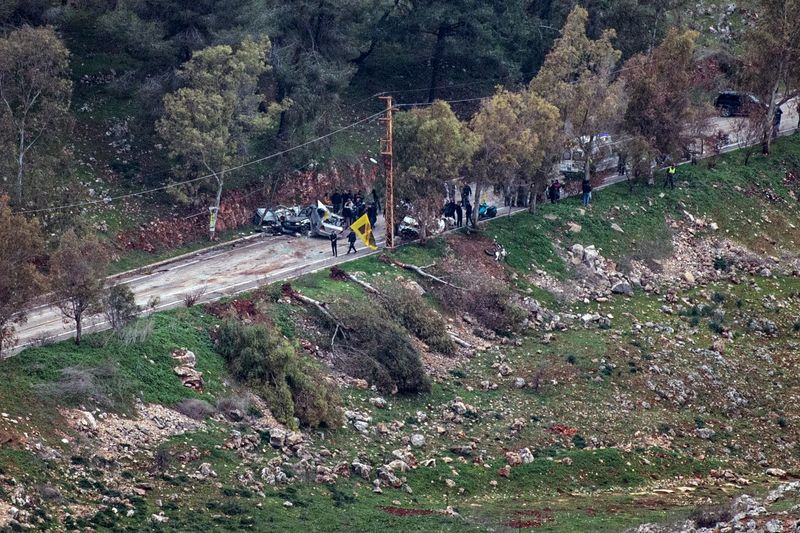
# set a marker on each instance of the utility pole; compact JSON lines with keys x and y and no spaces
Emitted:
{"x":388,"y":163}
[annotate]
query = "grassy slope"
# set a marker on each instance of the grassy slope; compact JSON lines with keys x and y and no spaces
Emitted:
{"x":591,"y":370}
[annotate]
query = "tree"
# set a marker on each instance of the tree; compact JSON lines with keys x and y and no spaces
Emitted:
{"x":578,"y":77}
{"x":119,"y":306}
{"x":35,"y":92}
{"x":772,"y":59}
{"x":659,"y":102}
{"x":432,"y":146}
{"x":207,"y":124}
{"x":20,"y":281}
{"x":516,"y":132}
{"x":77,"y":272}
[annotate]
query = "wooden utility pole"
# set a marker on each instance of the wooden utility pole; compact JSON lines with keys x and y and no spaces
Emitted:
{"x":388,"y":163}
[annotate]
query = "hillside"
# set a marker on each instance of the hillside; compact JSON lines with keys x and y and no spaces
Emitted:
{"x":629,"y":363}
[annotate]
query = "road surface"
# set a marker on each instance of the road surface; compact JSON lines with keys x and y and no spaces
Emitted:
{"x":240,"y":267}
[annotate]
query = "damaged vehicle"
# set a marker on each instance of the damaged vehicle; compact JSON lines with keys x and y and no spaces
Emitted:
{"x":312,"y":221}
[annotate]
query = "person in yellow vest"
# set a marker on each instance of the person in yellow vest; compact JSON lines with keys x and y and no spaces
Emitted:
{"x":670,"y":179}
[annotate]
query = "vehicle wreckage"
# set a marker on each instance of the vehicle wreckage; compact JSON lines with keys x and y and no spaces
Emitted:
{"x":311,"y":221}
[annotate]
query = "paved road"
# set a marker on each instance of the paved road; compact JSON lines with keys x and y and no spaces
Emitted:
{"x":230,"y":270}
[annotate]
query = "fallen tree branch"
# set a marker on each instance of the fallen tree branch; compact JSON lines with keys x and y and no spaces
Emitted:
{"x":322,"y":307}
{"x":339,"y":274}
{"x":460,"y":341}
{"x":418,"y":270}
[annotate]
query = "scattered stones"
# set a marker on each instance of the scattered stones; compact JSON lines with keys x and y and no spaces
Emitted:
{"x":380,"y":403}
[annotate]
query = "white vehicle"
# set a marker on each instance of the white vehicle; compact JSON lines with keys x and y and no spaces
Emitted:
{"x":605,"y":157}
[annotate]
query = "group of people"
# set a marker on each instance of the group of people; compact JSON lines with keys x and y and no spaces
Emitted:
{"x":555,"y":187}
{"x":352,"y":206}
{"x":351,"y":239}
{"x":457,"y":210}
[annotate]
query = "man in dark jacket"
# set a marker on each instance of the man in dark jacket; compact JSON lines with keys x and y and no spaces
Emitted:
{"x":372,"y":213}
{"x":334,"y":237}
{"x":459,"y":215}
{"x":586,"y":188}
{"x":468,"y":212}
{"x":336,"y":199}
{"x":352,"y":240}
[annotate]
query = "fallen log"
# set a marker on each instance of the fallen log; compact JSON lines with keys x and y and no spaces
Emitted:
{"x":460,"y":341}
{"x":322,"y":307}
{"x":419,"y":270}
{"x":339,"y":274}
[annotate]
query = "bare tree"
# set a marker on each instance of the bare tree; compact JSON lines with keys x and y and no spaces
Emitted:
{"x":78,"y":269}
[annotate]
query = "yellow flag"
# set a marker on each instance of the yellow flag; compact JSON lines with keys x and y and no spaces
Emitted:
{"x":327,"y":214}
{"x":363,"y":229}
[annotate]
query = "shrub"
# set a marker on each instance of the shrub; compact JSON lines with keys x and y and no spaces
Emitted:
{"x":196,"y":409}
{"x":487,"y":299}
{"x":380,"y":352}
{"x":291,"y":385}
{"x":120,"y":306}
{"x":100,"y":385}
{"x":418,"y":318}
{"x":710,"y":515}
{"x":234,"y":408}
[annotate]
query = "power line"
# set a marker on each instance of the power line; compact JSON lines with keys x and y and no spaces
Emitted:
{"x":193,"y":180}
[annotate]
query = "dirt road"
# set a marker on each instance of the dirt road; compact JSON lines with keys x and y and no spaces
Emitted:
{"x":231,"y":270}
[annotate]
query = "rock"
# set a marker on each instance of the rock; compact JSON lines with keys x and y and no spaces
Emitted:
{"x":464,"y":451}
{"x":288,"y":504}
{"x":504,"y":472}
{"x":421,"y":417}
{"x":689,"y":277}
{"x":774,"y":526}
{"x":361,"y":384}
{"x":505,"y":370}
{"x":458,"y":407}
{"x":519,"y":383}
{"x":705,"y":433}
{"x":159,"y":518}
{"x":386,"y":475}
{"x":190,"y":377}
{"x":417,"y":440}
{"x":765,"y":272}
{"x":714,"y":226}
{"x":526,"y":456}
{"x":413,"y":286}
{"x":185,"y":357}
{"x":277,"y":437}
{"x":380,"y":403}
{"x":206,"y":471}
{"x":572,"y":227}
{"x":616,"y":228}
{"x":89,"y":420}
{"x":776,"y":472}
{"x":361,"y":426}
{"x":577,"y":249}
{"x":513,"y":458}
{"x":622,"y":287}
{"x":361,"y":470}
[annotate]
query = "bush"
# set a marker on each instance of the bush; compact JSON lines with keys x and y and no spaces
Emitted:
{"x":120,"y":307}
{"x":291,"y":385}
{"x":100,"y":385}
{"x":710,"y":516}
{"x":196,"y":409}
{"x":418,"y":318}
{"x":487,"y":299}
{"x":380,"y":352}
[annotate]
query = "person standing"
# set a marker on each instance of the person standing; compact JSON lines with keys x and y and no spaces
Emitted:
{"x":459,"y":214}
{"x":352,"y":240}
{"x":347,"y":212}
{"x":468,"y":212}
{"x":337,"y":201}
{"x":334,"y":237}
{"x":586,"y":188}
{"x":372,"y":213}
{"x":466,"y":192}
{"x":376,"y":200}
{"x":670,"y":179}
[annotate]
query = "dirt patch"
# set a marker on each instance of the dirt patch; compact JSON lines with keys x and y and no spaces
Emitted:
{"x":241,"y":309}
{"x":474,"y":248}
{"x":529,"y":519}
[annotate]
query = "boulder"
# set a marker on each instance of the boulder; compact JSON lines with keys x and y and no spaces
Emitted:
{"x":622,"y":287}
{"x":417,"y":440}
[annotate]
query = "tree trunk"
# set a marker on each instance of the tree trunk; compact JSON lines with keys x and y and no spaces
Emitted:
{"x":587,"y":151}
{"x":768,"y":120}
{"x":78,"y":326}
{"x":477,"y":203}
{"x":436,"y":62}
{"x":212,"y":229}
{"x":532,"y":201}
{"x":20,"y":166}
